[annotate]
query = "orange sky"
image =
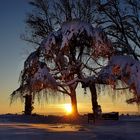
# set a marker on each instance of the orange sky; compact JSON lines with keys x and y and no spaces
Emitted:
{"x":57,"y":106}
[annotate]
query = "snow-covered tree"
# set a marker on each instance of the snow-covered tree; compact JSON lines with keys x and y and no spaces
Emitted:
{"x":119,"y":19}
{"x":68,"y":56}
{"x":65,"y":56}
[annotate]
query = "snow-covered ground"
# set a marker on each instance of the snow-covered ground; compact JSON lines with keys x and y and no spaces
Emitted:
{"x":126,"y":128}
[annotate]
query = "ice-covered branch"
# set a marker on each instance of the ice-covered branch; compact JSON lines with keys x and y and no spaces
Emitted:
{"x":124,"y":68}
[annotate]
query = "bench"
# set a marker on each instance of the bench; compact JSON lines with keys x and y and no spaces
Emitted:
{"x":110,"y":116}
{"x":104,"y":116}
{"x":91,"y":117}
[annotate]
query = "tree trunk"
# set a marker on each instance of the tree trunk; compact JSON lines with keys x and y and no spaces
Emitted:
{"x":28,"y":105}
{"x":74,"y":102}
{"x":94,"y":99}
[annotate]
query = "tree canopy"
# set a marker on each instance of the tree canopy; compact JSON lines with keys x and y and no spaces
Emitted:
{"x":63,"y":57}
{"x":76,"y":39}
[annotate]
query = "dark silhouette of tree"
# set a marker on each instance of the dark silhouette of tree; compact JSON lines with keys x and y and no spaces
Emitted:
{"x":64,"y":56}
{"x":47,"y":16}
{"x":46,"y":19}
{"x":30,"y":86}
{"x":120,"y":19}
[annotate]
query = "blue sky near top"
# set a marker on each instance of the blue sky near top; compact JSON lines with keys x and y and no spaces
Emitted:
{"x":12,"y":48}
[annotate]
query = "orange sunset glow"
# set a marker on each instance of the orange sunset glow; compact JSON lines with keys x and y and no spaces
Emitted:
{"x":62,"y":106}
{"x":68,"y":108}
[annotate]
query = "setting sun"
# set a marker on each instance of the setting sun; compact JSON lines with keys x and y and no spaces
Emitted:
{"x":68,"y":108}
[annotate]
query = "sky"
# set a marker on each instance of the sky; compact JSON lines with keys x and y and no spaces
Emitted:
{"x":13,"y":52}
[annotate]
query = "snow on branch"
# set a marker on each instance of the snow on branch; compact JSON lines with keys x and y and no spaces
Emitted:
{"x":78,"y":34}
{"x":35,"y":79}
{"x":42,"y":79}
{"x":32,"y":59}
{"x":123,"y":68}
